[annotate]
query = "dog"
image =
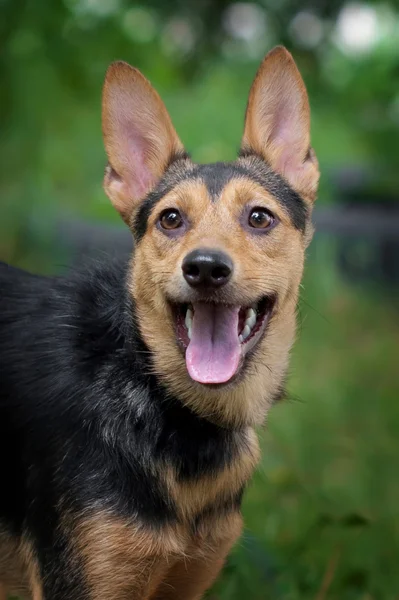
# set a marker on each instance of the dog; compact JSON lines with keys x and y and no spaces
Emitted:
{"x":130,"y":391}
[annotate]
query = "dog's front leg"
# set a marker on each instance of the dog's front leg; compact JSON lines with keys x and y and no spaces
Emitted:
{"x":109,"y":557}
{"x":190,"y":577}
{"x":100,"y":557}
{"x":123,"y":579}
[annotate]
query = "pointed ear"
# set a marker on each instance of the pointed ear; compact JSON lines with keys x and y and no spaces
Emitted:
{"x":277,"y":122}
{"x":139,"y":138}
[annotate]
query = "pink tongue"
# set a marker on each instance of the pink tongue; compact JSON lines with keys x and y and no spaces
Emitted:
{"x":214,"y":352}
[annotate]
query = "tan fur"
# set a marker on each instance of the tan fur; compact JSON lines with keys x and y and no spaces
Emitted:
{"x":192,"y":575}
{"x":193,"y":496}
{"x":3,"y":592}
{"x":123,"y":560}
{"x":120,"y":559}
{"x":19,"y":572}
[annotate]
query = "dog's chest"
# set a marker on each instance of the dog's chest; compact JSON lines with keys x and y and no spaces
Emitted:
{"x":204,"y":498}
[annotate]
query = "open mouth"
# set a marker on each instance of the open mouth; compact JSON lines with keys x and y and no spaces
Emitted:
{"x":216,"y":337}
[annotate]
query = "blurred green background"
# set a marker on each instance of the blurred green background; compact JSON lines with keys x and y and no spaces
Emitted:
{"x":322,"y":513}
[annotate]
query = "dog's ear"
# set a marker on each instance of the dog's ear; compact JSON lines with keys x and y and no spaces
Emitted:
{"x":277,"y":122}
{"x":139,"y":137}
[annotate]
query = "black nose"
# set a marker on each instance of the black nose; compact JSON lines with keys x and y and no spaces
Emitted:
{"x":207,"y":268}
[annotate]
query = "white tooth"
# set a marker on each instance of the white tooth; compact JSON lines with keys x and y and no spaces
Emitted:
{"x":246,"y":332}
{"x":241,"y":339}
{"x":251,"y":313}
{"x":189,"y":332}
{"x":251,"y":318}
{"x":189,"y":318}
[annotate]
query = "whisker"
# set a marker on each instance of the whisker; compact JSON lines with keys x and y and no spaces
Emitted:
{"x":301,"y":299}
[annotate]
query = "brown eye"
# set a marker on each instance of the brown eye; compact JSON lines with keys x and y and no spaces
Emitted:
{"x":260,"y":218}
{"x":170,"y":219}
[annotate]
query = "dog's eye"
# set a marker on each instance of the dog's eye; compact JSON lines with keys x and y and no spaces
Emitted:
{"x":170,"y":219}
{"x":260,"y":218}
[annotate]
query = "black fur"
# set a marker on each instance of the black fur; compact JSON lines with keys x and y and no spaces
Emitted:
{"x":81,"y":418}
{"x":215,"y":176}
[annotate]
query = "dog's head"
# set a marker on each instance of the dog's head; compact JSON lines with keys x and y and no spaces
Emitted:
{"x":219,"y":248}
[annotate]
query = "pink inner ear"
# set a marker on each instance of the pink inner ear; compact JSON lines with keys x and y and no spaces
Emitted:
{"x":139,"y":177}
{"x":289,"y":160}
{"x":288,"y":139}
